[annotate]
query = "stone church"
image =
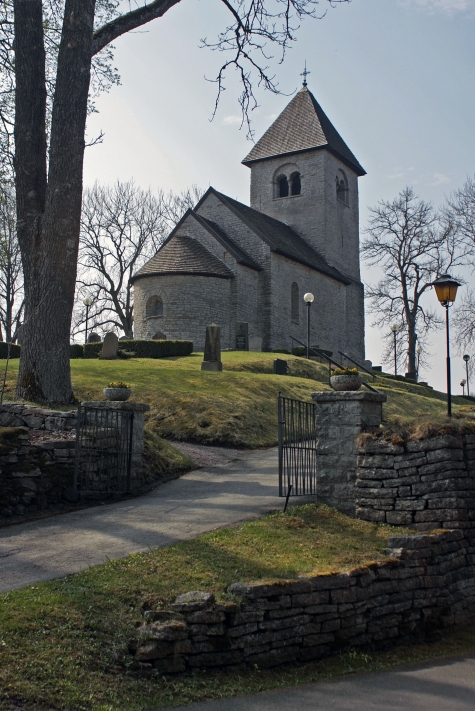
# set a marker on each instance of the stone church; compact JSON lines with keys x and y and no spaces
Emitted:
{"x":229,"y":264}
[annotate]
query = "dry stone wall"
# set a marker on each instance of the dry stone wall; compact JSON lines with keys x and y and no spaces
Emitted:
{"x":427,"y":583}
{"x":427,"y":484}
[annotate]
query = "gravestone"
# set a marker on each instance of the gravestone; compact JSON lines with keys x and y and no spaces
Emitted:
{"x":280,"y":367}
{"x":159,"y":336}
{"x":255,"y":343}
{"x":110,"y":346}
{"x":242,"y":336}
{"x":94,"y":338}
{"x":212,"y":356}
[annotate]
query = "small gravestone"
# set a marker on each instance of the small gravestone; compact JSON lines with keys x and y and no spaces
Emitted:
{"x":159,"y":336}
{"x":212,"y":357}
{"x":255,"y":343}
{"x":94,"y":338}
{"x":280,"y":367}
{"x":242,"y":336}
{"x":110,"y":346}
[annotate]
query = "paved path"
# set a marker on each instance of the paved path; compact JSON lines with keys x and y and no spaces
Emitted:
{"x":204,"y":499}
{"x":447,"y":685}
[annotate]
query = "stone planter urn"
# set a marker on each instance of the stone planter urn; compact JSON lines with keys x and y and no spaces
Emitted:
{"x":352,"y":381}
{"x":117,"y":394}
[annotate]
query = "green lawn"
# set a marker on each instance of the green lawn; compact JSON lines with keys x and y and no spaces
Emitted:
{"x":63,"y":644}
{"x":237,"y":407}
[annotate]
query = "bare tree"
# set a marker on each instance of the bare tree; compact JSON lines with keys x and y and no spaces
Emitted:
{"x":411,"y":243}
{"x":11,"y":276}
{"x":122,"y":226}
{"x":461,"y":210}
{"x":49,"y":153}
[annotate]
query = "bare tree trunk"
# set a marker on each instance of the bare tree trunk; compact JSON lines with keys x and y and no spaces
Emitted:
{"x":50,"y":244}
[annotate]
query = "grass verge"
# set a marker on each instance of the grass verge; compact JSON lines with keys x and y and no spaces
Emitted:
{"x":63,"y":644}
{"x":237,"y":407}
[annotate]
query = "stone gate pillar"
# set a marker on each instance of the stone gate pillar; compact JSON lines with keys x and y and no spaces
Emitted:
{"x":341,"y":416}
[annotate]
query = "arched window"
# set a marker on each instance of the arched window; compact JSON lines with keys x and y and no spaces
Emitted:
{"x":295,"y":184}
{"x":342,"y":187}
{"x":154,"y":307}
{"x":295,"y":303}
{"x":282,"y":186}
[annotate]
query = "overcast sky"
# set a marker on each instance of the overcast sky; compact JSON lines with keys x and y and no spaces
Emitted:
{"x":396,"y":78}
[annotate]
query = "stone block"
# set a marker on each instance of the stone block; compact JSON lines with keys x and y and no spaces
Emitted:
{"x":192,"y":601}
{"x":399,"y":518}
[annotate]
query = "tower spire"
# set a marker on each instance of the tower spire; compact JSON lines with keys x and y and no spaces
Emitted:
{"x":304,"y":74}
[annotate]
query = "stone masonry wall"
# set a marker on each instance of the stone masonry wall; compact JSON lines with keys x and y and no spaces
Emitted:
{"x":427,"y":484}
{"x":34,"y":477}
{"x":428,"y":583}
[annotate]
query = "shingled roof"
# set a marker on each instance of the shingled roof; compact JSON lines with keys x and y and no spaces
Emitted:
{"x":184,"y":255}
{"x":302,"y":126}
{"x":240,"y":255}
{"x":280,"y":237}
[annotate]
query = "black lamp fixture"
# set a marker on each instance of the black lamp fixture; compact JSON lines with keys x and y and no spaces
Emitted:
{"x":446,"y":289}
{"x":308,"y":298}
{"x":466,"y":358}
{"x":87,"y":303}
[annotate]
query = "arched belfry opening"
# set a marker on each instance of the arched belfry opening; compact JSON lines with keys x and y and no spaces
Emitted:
{"x":342,"y":192}
{"x":282,"y":186}
{"x":295,"y":184}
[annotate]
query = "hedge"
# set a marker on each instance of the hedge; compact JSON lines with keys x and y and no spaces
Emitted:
{"x":76,"y":351}
{"x":144,"y":349}
{"x":157,"y":349}
{"x":14,"y":350}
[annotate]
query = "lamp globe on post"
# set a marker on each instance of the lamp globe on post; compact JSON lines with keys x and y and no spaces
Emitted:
{"x":462,"y":385}
{"x":87,"y":303}
{"x":466,"y":358}
{"x":309,"y":299}
{"x":395,"y":329}
{"x":446,"y":289}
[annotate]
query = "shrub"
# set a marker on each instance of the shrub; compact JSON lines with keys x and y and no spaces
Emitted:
{"x":76,"y":350}
{"x":92,"y":350}
{"x":345,"y":371}
{"x":158,"y":349}
{"x":14,"y":350}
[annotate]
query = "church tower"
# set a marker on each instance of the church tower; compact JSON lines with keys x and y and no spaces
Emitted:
{"x":304,"y":174}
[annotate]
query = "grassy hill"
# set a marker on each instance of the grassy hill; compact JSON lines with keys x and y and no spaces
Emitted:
{"x":237,"y":407}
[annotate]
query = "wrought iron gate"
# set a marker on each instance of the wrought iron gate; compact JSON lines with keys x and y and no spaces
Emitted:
{"x":297,"y":448}
{"x":103,"y":451}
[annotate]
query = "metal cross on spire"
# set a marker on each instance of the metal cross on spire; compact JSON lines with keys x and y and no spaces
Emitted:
{"x":304,"y":74}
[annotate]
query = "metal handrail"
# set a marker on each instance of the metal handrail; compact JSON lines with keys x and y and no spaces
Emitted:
{"x":334,"y":362}
{"x":361,"y":367}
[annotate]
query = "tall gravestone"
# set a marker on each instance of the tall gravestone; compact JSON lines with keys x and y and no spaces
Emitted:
{"x":110,"y":346}
{"x":212,"y":356}
{"x":94,"y":338}
{"x":242,"y":336}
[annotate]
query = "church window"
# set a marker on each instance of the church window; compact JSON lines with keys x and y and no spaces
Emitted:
{"x":282,"y":186}
{"x":154,"y":307}
{"x":342,"y":187}
{"x":295,"y":184}
{"x":295,"y":303}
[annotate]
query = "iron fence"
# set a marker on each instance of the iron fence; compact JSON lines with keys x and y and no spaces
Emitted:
{"x":297,"y":448}
{"x":103,"y":451}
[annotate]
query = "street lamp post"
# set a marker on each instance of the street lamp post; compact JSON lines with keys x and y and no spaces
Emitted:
{"x":87,"y":303}
{"x":308,"y":298}
{"x":462,"y":383}
{"x":446,"y":290}
{"x":418,"y":351}
{"x":466,"y":358}
{"x":395,"y":330}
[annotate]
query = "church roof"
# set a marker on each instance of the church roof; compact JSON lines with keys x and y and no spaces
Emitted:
{"x":239,"y":254}
{"x":184,"y":255}
{"x":302,"y":126}
{"x":281,"y":238}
